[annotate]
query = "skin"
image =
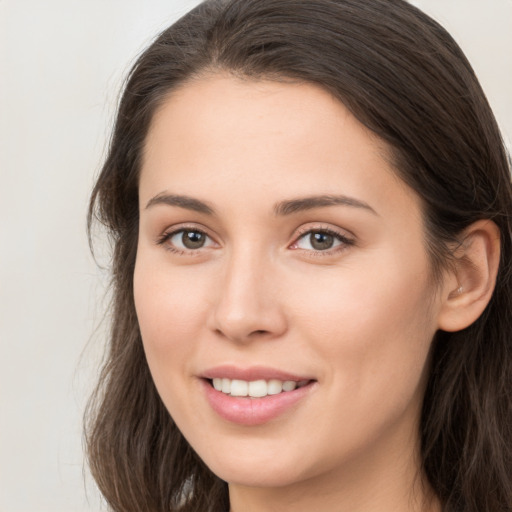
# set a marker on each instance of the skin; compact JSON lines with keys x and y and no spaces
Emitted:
{"x":358,"y":318}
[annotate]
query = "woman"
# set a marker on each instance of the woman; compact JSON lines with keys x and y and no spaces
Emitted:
{"x":310,"y":208}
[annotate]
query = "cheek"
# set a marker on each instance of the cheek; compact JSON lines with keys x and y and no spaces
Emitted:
{"x":374,"y":301}
{"x":374,"y":328}
{"x":171,"y":310}
{"x":374,"y":342}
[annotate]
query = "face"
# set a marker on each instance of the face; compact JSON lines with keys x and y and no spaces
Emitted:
{"x":279,"y":256}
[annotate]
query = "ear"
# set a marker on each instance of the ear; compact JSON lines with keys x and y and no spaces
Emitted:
{"x":468,"y":287}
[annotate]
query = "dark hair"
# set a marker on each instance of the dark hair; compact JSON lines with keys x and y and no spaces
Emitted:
{"x":404,"y":78}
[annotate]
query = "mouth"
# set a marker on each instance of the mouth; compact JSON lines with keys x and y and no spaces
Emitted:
{"x":255,"y":396}
{"x":255,"y":388}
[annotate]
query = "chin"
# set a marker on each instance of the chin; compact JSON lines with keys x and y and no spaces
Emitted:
{"x":258,"y":468}
{"x":248,"y":475}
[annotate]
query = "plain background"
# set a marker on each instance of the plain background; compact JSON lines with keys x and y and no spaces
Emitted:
{"x":61,"y":68}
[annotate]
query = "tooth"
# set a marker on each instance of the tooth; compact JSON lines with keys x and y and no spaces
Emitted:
{"x":239,"y":387}
{"x":289,"y":385}
{"x":226,"y":386}
{"x":257,"y":388}
{"x":274,"y":387}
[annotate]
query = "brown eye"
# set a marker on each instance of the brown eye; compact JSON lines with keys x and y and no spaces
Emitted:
{"x":188,"y":240}
{"x":321,"y":241}
{"x":193,"y":239}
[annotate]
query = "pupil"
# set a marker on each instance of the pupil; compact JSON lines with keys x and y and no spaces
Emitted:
{"x":321,"y":241}
{"x":193,"y":239}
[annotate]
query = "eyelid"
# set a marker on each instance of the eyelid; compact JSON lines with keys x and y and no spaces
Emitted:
{"x":341,"y":235}
{"x":171,"y":231}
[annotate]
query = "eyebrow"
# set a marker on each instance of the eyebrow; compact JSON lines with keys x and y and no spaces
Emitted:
{"x":311,"y":202}
{"x":282,"y":208}
{"x":186,"y":202}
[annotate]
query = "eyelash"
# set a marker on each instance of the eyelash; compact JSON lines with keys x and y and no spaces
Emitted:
{"x":165,"y":237}
{"x":344,"y":241}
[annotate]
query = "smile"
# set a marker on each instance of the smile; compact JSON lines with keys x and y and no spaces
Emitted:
{"x":254,"y":396}
{"x":256,"y":388}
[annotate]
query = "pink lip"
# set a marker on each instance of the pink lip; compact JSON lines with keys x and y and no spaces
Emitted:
{"x":252,"y":411}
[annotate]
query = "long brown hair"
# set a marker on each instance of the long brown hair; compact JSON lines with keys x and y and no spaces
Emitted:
{"x":403,"y":77}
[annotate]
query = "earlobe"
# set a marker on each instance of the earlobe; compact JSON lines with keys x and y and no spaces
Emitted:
{"x":469,"y":287}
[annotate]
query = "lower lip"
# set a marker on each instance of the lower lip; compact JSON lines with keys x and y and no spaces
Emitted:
{"x":253,"y":411}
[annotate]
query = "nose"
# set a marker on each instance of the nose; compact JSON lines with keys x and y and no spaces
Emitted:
{"x":247,"y":305}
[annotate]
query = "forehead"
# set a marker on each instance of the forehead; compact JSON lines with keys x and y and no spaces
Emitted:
{"x":245,"y":105}
{"x":277,"y":137}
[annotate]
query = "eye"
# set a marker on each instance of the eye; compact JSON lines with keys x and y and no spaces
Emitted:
{"x":186,"y":240}
{"x":321,"y":240}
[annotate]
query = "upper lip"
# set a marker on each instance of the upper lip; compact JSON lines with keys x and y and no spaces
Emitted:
{"x":251,"y":373}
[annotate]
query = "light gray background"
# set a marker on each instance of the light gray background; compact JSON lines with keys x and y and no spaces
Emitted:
{"x":61,"y":66}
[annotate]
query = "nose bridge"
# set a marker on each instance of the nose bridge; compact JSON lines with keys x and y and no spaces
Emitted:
{"x":247,"y":305}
